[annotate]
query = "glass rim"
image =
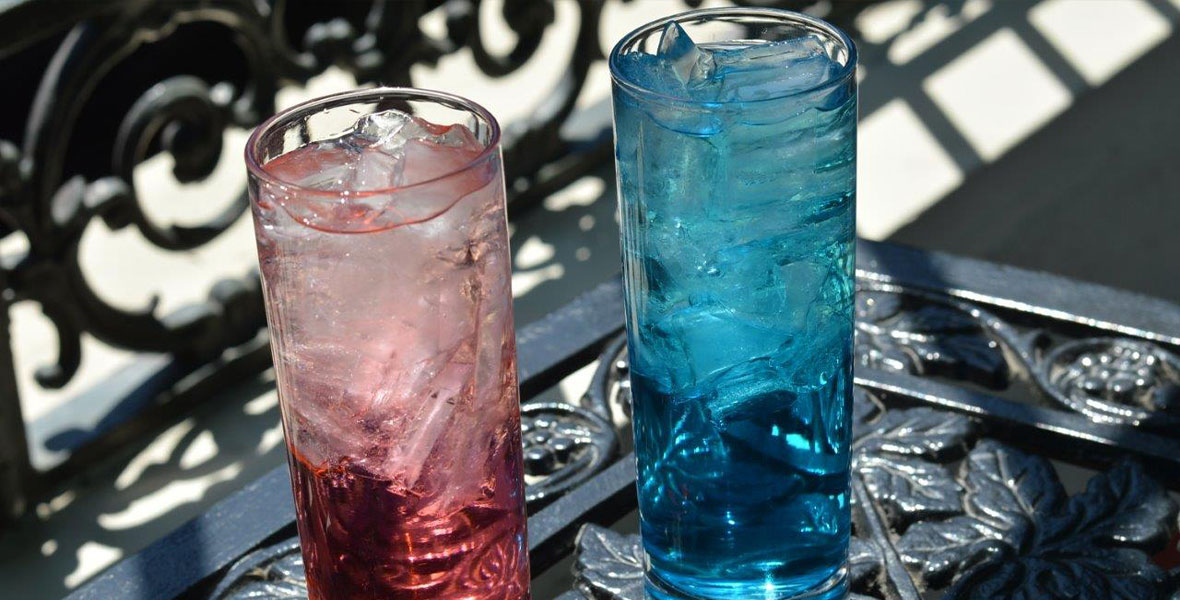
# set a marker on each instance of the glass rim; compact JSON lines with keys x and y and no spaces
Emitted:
{"x":786,"y":16}
{"x":255,"y":168}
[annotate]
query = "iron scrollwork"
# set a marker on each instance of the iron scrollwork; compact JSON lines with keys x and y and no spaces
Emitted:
{"x":906,"y":334}
{"x":63,"y":177}
{"x":1110,"y":380}
{"x":1094,"y":550}
{"x":937,"y":505}
{"x":187,"y":115}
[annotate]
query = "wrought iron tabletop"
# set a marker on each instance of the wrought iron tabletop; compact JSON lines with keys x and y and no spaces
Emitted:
{"x":971,"y":402}
{"x":978,"y":383}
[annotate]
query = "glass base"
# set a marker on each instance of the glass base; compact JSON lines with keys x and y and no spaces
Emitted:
{"x":834,"y":588}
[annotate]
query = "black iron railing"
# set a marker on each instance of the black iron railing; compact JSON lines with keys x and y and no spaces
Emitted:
{"x":93,"y":89}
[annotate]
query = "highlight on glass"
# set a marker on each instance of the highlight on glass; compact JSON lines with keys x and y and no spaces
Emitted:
{"x":735,"y":133}
{"x":382,"y":239}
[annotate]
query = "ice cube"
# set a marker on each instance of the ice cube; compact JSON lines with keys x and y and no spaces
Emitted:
{"x":375,"y":152}
{"x":347,"y":164}
{"x":384,"y":152}
{"x":690,"y":65}
{"x":387,"y":130}
{"x":775,"y":54}
{"x":679,"y":68}
{"x":688,"y":343}
{"x":433,"y":150}
{"x":374,"y":169}
{"x":747,"y":388}
{"x":392,"y":130}
{"x":773,"y":69}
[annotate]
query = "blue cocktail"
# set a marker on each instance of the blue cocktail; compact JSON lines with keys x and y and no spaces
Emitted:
{"x":736,"y":145}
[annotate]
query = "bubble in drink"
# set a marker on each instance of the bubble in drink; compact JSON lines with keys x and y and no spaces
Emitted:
{"x":386,"y":272}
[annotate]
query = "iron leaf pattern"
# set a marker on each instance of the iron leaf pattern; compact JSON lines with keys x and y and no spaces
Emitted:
{"x":899,"y":455}
{"x":916,"y":432}
{"x":865,"y":562}
{"x":1002,"y":526}
{"x":609,"y":564}
{"x":929,"y":338}
{"x":1020,"y":536}
{"x":910,"y":489}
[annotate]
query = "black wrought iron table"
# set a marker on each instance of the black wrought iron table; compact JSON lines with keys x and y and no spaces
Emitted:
{"x":986,"y":396}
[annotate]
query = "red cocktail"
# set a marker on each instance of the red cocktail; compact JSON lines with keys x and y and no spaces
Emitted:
{"x":383,"y":247}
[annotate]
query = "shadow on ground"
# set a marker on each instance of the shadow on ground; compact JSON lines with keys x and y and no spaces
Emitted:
{"x":581,"y":240}
{"x":143,"y":494}
{"x":1094,"y":195}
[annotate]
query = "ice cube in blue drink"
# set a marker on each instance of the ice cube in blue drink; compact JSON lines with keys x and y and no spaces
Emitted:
{"x":758,"y":71}
{"x":741,"y":71}
{"x":690,"y":65}
{"x":677,"y":65}
{"x":680,"y":70}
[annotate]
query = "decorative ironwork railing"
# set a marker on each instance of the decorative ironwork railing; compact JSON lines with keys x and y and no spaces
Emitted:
{"x":93,"y":89}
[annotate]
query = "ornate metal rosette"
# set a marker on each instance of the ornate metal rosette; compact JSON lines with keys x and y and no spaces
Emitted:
{"x":563,"y":446}
{"x":1115,"y":380}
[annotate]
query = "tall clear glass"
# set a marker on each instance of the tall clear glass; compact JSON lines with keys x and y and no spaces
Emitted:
{"x":735,"y":133}
{"x":383,"y":245}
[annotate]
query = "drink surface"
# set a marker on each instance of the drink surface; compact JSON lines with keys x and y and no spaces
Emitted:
{"x":737,"y":187}
{"x":387,"y":287}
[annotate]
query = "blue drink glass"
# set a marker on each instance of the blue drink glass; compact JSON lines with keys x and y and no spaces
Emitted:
{"x":735,"y":139}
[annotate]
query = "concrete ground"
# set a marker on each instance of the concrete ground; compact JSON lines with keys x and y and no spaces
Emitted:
{"x":1039,"y":133}
{"x":1093,"y":195}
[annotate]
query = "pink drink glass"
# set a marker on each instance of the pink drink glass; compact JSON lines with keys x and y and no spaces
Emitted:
{"x":385,"y":267}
